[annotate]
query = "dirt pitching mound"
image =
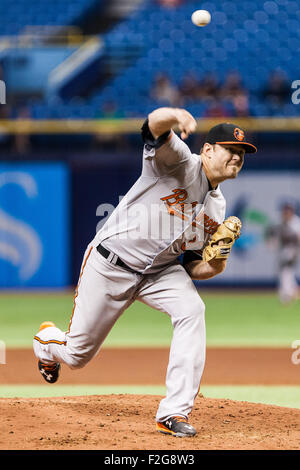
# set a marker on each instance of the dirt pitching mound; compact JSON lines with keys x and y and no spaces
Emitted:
{"x":127,"y":422}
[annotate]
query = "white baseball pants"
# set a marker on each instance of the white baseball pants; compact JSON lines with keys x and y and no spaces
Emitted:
{"x":104,"y":291}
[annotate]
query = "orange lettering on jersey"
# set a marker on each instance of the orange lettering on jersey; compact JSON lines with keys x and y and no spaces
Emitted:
{"x":176,"y":206}
{"x":183,"y":247}
{"x":179,"y":210}
{"x":179,"y":195}
{"x":210,"y":225}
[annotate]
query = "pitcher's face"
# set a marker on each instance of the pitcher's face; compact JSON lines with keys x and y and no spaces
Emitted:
{"x":226,"y":160}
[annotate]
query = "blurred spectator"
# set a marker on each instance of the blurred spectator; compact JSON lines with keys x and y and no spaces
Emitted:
{"x":164,"y":90}
{"x":209,"y":88}
{"x":278,"y":90}
{"x":169,"y":3}
{"x":189,"y":88}
{"x":241,"y":105}
{"x":232,"y":86}
{"x":285,"y":238}
{"x":235,"y":93}
{"x":216,"y":109}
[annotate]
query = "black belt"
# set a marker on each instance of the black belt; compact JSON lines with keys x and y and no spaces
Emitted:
{"x":114,"y":259}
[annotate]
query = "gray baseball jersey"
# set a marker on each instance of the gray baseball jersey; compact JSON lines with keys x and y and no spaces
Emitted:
{"x":156,"y":221}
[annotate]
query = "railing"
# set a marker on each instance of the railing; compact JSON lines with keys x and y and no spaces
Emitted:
{"x":132,"y":126}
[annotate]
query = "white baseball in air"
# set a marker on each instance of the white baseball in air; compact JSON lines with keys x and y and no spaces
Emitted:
{"x":201,"y":17}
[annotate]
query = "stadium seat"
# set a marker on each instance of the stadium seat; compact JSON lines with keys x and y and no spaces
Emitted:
{"x":252,"y":37}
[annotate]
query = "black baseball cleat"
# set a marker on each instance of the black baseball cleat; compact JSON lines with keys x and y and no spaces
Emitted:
{"x":176,"y":426}
{"x":50,"y":372}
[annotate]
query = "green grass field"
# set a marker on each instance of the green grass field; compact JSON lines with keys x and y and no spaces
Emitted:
{"x":232,"y":319}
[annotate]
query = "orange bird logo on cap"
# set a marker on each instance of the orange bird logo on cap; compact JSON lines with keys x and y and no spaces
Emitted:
{"x":239,"y":134}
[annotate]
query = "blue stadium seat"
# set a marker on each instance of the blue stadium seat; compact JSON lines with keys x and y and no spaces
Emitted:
{"x":253,"y":37}
{"x":17,"y":15}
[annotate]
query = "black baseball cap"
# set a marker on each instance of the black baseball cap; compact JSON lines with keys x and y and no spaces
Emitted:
{"x":227,"y":133}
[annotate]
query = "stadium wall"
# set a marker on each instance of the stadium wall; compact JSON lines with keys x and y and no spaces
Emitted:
{"x":80,"y":192}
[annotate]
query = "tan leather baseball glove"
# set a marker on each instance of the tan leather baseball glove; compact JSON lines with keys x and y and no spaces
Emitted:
{"x":222,"y":240}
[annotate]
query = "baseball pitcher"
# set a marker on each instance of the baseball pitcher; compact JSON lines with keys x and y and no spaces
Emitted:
{"x":175,"y":207}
